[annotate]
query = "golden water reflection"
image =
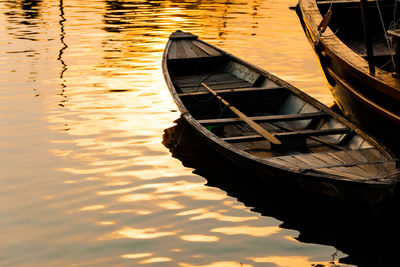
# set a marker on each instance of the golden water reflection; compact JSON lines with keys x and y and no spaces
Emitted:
{"x":147,"y":233}
{"x":290,"y":261}
{"x":200,"y":238}
{"x":207,"y":214}
{"x":248,"y":230}
{"x":84,"y":106}
{"x":217,"y":264}
{"x":136,"y":255}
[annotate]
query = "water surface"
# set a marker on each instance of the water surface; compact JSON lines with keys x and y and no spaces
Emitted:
{"x":85,"y":179}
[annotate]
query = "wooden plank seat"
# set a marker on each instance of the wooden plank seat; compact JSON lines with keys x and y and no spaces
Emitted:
{"x":198,"y":78}
{"x":197,"y":88}
{"x":268,"y":118}
{"x":211,"y":81}
{"x":220,"y":78}
{"x":303,"y":133}
{"x":191,"y":83}
{"x":217,"y":86}
{"x":236,"y":90}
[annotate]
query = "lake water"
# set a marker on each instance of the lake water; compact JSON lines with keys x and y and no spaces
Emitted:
{"x":84,"y":177}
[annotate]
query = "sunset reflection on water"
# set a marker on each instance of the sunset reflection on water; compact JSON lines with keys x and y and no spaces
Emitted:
{"x":83,"y":110}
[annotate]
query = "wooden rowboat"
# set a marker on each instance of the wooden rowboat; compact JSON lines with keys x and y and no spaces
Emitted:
{"x":301,"y":141}
{"x":364,"y":76}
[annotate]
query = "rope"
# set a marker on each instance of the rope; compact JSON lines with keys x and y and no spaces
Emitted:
{"x":388,"y":43}
{"x":394,"y":23}
{"x":324,"y":24}
{"x":222,"y":110}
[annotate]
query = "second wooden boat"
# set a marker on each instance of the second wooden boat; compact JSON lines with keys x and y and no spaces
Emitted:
{"x":358,"y":47}
{"x":264,"y":123}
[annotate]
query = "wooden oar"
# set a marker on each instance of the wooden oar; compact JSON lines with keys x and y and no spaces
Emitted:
{"x":267,"y":135}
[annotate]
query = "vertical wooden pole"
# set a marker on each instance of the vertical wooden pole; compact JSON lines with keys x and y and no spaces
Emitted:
{"x":368,"y":40}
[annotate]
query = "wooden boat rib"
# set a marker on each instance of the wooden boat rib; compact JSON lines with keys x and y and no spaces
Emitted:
{"x":317,"y":145}
{"x":370,"y":99}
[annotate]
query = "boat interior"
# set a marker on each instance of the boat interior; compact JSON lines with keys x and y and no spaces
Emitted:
{"x":346,"y":23}
{"x":311,"y":138}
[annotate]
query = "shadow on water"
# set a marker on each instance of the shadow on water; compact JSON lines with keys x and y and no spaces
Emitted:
{"x":64,"y":46}
{"x":29,"y":10}
{"x":367,"y":236}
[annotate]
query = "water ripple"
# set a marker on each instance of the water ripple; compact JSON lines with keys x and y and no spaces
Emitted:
{"x":83,"y":107}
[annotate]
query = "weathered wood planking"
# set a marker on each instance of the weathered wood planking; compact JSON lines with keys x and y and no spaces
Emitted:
{"x":279,"y":117}
{"x":345,"y":157}
{"x":332,"y":160}
{"x":225,"y":82}
{"x":238,"y":90}
{"x":350,"y":176}
{"x":180,"y":52}
{"x":184,"y":49}
{"x":292,"y":105}
{"x":369,"y":98}
{"x":209,"y":50}
{"x":217,"y":87}
{"x":182,"y":35}
{"x":345,"y":165}
{"x":287,"y":164}
{"x":173,"y":51}
{"x":305,"y":133}
{"x":374,"y":155}
{"x":317,"y":161}
{"x":316,"y":142}
{"x":329,"y":2}
{"x":187,"y":47}
{"x":244,"y":72}
{"x":329,"y":161}
{"x":198,"y":78}
{"x":382,"y":167}
{"x":198,"y":50}
{"x":218,"y":81}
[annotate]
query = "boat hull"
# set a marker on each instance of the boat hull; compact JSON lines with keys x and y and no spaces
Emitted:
{"x":354,"y":168}
{"x":369,"y":196}
{"x":363,"y":113}
{"x":355,"y":90}
{"x":344,"y":226}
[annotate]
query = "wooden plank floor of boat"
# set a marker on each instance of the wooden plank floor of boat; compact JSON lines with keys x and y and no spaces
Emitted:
{"x":364,"y":163}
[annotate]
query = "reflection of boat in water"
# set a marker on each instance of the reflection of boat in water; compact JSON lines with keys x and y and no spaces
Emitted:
{"x":363,"y":75}
{"x":295,"y":137}
{"x":365,"y":235}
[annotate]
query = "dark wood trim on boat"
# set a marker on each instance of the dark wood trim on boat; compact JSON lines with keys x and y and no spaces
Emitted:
{"x":236,"y":90}
{"x":330,"y":44}
{"x":336,"y":2}
{"x":379,"y":109}
{"x":350,"y":164}
{"x":269,"y":118}
{"x":182,"y":35}
{"x":304,"y":133}
{"x":369,"y":100}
